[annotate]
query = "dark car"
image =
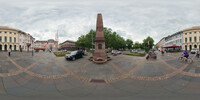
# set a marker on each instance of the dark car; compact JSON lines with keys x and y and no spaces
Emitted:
{"x":74,"y":55}
{"x":107,"y":51}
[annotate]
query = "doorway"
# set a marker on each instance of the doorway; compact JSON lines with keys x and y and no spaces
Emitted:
{"x":195,"y":46}
{"x":10,"y":47}
{"x":0,"y":47}
{"x":186,"y":47}
{"x":190,"y":47}
{"x":5,"y":47}
{"x":14,"y":47}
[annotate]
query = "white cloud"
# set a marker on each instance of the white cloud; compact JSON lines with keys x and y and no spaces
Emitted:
{"x":130,"y":18}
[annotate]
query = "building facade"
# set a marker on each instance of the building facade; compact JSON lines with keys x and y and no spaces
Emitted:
{"x":191,"y":38}
{"x":9,"y":38}
{"x":14,"y":39}
{"x":160,"y":44}
{"x":46,"y":45}
{"x":68,"y":45}
{"x":174,"y":41}
{"x":26,"y":41}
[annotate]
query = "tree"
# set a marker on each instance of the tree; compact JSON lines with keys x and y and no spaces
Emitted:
{"x":85,"y":41}
{"x":148,"y":43}
{"x":137,"y":45}
{"x":129,"y":43}
{"x":113,"y":40}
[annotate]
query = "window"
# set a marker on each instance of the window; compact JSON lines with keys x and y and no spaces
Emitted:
{"x":0,"y":39}
{"x":15,"y":33}
{"x":180,"y":41}
{"x":0,"y":31}
{"x":185,"y":33}
{"x":195,"y":39}
{"x":5,"y":32}
{"x":10,"y":32}
{"x":190,"y":39}
{"x":10,"y":39}
{"x":190,"y":32}
{"x":195,"y":32}
{"x":5,"y":39}
{"x":15,"y":40}
{"x":185,"y":40}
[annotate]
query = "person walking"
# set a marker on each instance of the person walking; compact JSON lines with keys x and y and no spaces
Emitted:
{"x":9,"y":51}
{"x":197,"y":53}
{"x":162,"y":52}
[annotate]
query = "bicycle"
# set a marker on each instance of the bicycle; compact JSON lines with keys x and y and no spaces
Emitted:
{"x":188,"y":60}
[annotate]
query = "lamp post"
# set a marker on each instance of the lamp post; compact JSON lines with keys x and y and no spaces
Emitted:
{"x":92,"y":41}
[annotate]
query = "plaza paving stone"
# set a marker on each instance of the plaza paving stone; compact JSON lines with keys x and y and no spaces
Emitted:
{"x":45,"y":76}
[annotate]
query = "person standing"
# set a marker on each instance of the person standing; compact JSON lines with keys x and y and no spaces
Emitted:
{"x":197,"y":53}
{"x":9,"y":51}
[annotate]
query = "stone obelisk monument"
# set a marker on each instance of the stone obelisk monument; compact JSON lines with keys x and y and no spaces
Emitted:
{"x":99,"y":53}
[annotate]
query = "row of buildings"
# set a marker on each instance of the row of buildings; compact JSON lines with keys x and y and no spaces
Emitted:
{"x":15,"y":39}
{"x":186,"y":39}
{"x":18,"y":40}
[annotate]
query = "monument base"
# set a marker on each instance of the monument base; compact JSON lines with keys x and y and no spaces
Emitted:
{"x":100,"y":60}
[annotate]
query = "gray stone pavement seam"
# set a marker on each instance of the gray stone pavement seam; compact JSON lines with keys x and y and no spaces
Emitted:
{"x":4,"y":86}
{"x":21,"y":70}
{"x":89,"y":79}
{"x":74,"y":74}
{"x":185,"y":73}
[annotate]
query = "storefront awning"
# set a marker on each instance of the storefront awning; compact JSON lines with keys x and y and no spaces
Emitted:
{"x":172,"y":46}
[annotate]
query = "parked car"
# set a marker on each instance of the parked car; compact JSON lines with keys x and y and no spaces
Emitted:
{"x":107,"y":51}
{"x":74,"y":55}
{"x":115,"y":51}
{"x":134,"y":51}
{"x":193,"y":51}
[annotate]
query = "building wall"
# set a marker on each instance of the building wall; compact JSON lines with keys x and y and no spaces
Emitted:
{"x":12,"y":38}
{"x":174,"y":39}
{"x":47,"y":45}
{"x":160,"y":44}
{"x":68,"y":45}
{"x":17,"y":36}
{"x":191,"y":33}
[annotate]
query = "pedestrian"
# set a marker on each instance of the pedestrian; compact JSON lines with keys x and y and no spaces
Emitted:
{"x":9,"y":51}
{"x":162,"y":52}
{"x":197,"y":53}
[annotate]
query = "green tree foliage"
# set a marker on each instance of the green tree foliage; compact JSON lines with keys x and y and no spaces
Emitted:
{"x":129,"y":43}
{"x":113,"y":40}
{"x":85,"y":41}
{"x":148,"y":43}
{"x":137,"y":45}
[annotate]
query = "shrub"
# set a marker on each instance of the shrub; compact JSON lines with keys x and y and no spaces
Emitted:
{"x":60,"y":54}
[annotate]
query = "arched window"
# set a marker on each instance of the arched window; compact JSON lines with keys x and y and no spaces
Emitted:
{"x":99,"y":46}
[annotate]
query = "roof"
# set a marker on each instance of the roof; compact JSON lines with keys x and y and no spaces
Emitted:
{"x":8,"y":28}
{"x":192,"y":28}
{"x":180,"y":32}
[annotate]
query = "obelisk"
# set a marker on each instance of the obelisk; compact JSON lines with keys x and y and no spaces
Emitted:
{"x":99,"y":52}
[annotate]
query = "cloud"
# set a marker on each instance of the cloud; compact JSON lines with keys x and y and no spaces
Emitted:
{"x":131,"y":19}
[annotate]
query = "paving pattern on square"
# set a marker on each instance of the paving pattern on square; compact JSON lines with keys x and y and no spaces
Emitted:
{"x":24,"y":75}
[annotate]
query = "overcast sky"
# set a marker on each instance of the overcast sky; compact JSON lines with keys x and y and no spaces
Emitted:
{"x":133,"y":19}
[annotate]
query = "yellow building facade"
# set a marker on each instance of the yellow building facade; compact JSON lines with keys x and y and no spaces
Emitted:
{"x":9,"y":38}
{"x":191,"y":38}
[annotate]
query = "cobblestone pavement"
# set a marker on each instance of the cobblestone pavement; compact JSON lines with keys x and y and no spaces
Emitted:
{"x":23,"y":76}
